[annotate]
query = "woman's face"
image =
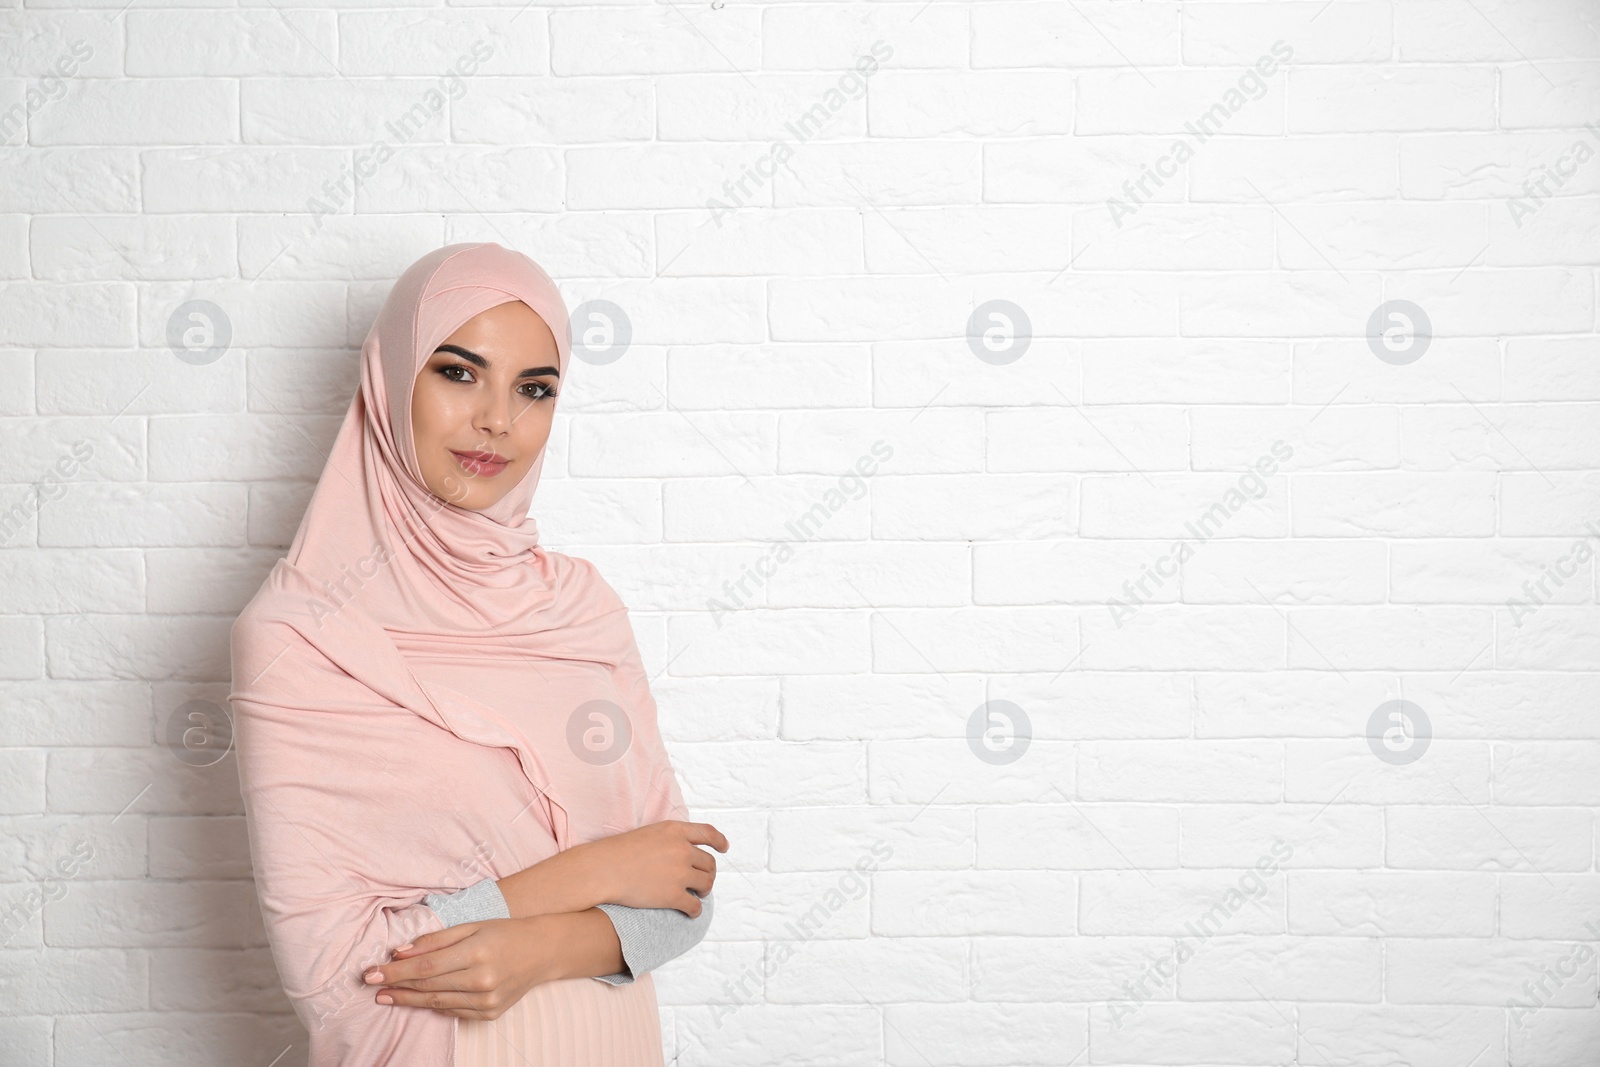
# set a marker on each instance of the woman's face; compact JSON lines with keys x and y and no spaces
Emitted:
{"x":483,"y":403}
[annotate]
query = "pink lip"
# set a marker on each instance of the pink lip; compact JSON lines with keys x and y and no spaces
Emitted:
{"x":482,"y":464}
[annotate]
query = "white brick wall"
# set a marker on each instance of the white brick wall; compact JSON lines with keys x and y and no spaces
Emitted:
{"x":1198,"y":533}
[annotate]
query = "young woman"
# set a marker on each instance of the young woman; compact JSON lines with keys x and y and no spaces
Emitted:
{"x":469,"y":844}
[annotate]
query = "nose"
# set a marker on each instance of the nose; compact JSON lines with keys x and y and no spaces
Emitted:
{"x":493,"y":417}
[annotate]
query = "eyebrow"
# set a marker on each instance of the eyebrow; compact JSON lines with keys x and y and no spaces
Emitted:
{"x":473,"y":357}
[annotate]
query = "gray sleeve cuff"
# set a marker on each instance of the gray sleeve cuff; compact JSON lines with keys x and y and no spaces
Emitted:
{"x":653,"y":936}
{"x":479,"y":901}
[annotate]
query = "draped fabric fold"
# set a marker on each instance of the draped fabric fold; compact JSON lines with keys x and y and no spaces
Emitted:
{"x":369,"y":784}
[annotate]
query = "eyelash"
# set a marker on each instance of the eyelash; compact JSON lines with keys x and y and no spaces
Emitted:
{"x":549,"y":393}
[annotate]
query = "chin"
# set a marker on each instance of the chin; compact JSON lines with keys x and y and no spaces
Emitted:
{"x":480,"y":496}
{"x":473,"y":492}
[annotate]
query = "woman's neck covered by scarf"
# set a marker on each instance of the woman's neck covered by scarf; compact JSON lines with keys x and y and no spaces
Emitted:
{"x":374,"y":533}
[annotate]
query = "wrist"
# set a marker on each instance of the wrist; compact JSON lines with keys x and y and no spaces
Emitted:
{"x":590,"y":876}
{"x":570,"y":881}
{"x":578,"y":944}
{"x":546,"y":948}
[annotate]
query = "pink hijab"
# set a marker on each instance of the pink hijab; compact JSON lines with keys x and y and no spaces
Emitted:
{"x":366,"y":787}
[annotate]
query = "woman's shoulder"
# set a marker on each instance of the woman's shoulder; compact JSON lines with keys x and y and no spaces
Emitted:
{"x":262,"y":609}
{"x":582,"y":577}
{"x":275,"y":620}
{"x":577,"y":568}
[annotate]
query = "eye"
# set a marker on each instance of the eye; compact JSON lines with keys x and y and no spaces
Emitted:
{"x":460,"y":372}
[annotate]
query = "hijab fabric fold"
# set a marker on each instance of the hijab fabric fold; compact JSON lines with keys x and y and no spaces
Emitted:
{"x":369,"y":784}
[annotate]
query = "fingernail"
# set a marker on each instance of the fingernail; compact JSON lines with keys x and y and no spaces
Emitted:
{"x":384,"y":998}
{"x":374,"y":976}
{"x":405,"y":947}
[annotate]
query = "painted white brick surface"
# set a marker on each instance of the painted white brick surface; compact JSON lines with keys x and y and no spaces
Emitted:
{"x":1104,"y":294}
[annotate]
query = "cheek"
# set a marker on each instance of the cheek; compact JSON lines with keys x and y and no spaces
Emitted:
{"x":432,"y":418}
{"x":532,"y":430}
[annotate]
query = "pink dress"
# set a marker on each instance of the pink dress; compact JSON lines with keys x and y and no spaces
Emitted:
{"x":573,"y":1022}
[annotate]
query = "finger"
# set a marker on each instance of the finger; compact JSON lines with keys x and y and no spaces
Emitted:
{"x":703,"y":833}
{"x":691,"y":905}
{"x":434,"y":940}
{"x":452,"y":982}
{"x":467,"y":980}
{"x":448,"y":994}
{"x":465,"y":1004}
{"x":427,"y":965}
{"x":705,"y":861}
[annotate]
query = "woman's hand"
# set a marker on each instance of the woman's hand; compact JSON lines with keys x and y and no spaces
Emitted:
{"x":655,"y":866}
{"x":472,"y":970}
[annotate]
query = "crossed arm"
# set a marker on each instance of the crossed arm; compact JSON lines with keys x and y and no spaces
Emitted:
{"x":612,"y":943}
{"x":564,"y":922}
